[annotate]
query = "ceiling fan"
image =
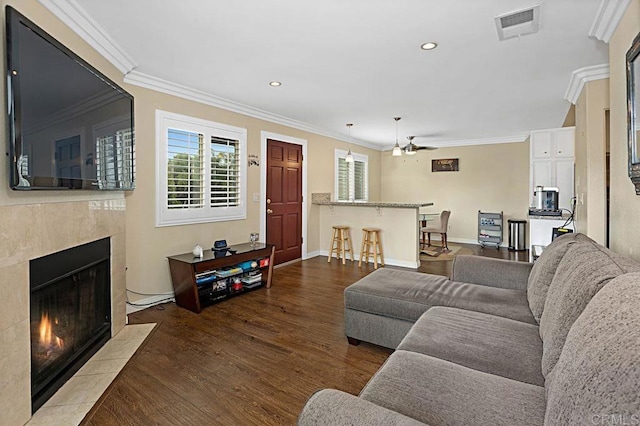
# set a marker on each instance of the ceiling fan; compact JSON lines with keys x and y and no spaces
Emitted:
{"x":412,"y":148}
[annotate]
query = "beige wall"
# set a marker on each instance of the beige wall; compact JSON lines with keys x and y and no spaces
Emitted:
{"x":625,"y":204}
{"x":148,"y":246}
{"x":492,"y":178}
{"x":590,"y":153}
{"x":398,"y":231}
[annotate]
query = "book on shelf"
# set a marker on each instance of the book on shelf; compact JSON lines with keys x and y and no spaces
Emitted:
{"x":202,"y":279}
{"x":250,"y":279}
{"x":227,"y":272}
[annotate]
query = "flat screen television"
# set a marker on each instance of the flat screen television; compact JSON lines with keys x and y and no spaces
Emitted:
{"x":70,"y":126}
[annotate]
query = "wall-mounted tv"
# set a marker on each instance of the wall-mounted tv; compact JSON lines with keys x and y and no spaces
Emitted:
{"x":70,"y":126}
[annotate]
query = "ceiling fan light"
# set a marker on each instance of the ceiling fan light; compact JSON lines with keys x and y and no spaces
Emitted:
{"x":397,"y":151}
{"x":410,"y":152}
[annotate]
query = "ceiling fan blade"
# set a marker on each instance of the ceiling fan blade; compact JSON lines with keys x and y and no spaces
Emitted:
{"x":411,"y":147}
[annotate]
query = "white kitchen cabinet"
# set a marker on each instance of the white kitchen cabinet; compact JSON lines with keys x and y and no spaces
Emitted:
{"x":552,"y":162}
{"x":564,"y":169}
{"x":541,"y":174}
{"x":542,"y":146}
{"x":564,"y":142}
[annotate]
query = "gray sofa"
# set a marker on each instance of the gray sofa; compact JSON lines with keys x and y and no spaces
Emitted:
{"x":501,"y":343}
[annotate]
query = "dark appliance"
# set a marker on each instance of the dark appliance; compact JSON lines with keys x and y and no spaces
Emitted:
{"x":70,"y":126}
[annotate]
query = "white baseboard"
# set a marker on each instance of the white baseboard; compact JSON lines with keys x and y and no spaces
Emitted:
{"x":148,"y":302}
{"x":387,"y":261}
{"x":312,"y":254}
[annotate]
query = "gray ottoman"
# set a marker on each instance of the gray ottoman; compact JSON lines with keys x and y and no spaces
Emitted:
{"x":381,"y":307}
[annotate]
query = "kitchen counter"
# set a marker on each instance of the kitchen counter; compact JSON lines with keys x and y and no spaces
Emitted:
{"x":397,"y":221}
{"x":564,"y":216}
{"x":373,"y":204}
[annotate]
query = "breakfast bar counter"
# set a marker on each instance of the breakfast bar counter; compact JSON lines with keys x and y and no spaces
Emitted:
{"x":397,"y":221}
{"x":373,"y":204}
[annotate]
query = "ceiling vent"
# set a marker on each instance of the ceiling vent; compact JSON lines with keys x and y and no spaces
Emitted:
{"x":520,"y":22}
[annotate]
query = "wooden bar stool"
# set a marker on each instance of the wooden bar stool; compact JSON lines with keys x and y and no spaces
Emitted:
{"x":371,"y":245}
{"x":341,"y":243}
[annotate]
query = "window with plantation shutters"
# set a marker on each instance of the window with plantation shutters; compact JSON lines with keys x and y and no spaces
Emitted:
{"x":201,"y":170}
{"x":185,"y":158}
{"x":351,"y":181}
{"x":225,"y":173}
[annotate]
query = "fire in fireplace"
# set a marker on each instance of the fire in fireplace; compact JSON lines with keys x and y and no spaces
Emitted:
{"x":70,"y":314}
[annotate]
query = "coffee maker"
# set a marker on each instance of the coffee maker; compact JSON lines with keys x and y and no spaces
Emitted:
{"x":545,"y":201}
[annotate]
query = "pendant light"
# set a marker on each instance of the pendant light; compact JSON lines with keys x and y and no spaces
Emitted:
{"x":349,"y":157}
{"x":397,"y":151}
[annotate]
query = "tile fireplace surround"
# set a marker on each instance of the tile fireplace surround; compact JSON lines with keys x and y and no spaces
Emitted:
{"x":30,"y":231}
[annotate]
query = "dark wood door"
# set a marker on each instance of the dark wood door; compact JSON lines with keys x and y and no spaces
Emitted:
{"x":284,"y":199}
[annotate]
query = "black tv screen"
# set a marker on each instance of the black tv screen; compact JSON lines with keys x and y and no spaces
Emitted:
{"x":70,"y":126}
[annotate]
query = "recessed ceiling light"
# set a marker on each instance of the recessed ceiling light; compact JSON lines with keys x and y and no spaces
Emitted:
{"x":429,"y":46}
{"x":275,"y":83}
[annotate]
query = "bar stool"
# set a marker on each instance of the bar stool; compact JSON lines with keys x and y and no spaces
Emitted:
{"x":341,"y":243}
{"x":371,"y":240}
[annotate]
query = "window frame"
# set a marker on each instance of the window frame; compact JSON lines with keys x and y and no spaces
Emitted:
{"x":187,"y":216}
{"x":341,"y":154}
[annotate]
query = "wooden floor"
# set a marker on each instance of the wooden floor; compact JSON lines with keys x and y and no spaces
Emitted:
{"x":253,"y":359}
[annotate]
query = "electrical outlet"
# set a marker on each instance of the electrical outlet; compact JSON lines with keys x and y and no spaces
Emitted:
{"x":256,"y":197}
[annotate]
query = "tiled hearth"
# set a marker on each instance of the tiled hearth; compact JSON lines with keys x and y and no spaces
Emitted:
{"x":30,"y":231}
{"x":74,"y":400}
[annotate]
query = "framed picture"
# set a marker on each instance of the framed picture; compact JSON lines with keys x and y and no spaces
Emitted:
{"x":633,"y":97}
{"x":445,"y":165}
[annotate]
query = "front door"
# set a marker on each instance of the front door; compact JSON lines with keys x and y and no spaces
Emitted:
{"x":284,"y":200}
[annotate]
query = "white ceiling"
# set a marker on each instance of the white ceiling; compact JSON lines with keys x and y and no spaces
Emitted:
{"x":360,"y":61}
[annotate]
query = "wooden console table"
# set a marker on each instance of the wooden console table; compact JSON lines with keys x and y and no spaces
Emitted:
{"x":185,"y":267}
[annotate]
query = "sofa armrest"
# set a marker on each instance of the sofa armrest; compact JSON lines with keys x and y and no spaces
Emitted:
{"x":334,"y":407}
{"x":491,"y":272}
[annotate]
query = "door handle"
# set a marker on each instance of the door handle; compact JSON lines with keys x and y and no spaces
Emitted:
{"x":269,"y":211}
{"x":268,"y":200}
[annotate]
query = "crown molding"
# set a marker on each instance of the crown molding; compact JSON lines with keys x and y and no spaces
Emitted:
{"x":157,"y":84}
{"x":78,"y":20}
{"x":517,"y":138}
{"x":581,"y":76}
{"x":607,"y":19}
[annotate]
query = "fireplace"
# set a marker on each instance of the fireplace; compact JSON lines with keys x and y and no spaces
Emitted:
{"x":70,"y":314}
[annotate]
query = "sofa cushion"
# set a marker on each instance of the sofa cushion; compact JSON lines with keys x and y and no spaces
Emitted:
{"x":597,"y":378}
{"x":543,"y":271}
{"x":484,"y":342}
{"x":333,"y":407}
{"x":438,"y":392}
{"x":584,"y":270}
{"x":406,"y":295}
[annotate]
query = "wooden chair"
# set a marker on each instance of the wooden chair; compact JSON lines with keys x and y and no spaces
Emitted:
{"x":437,"y":227}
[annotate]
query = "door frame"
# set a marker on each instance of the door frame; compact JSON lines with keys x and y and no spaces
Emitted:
{"x":263,"y":183}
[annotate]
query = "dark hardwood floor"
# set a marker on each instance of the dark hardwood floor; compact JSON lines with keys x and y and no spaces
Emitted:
{"x":253,"y":359}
